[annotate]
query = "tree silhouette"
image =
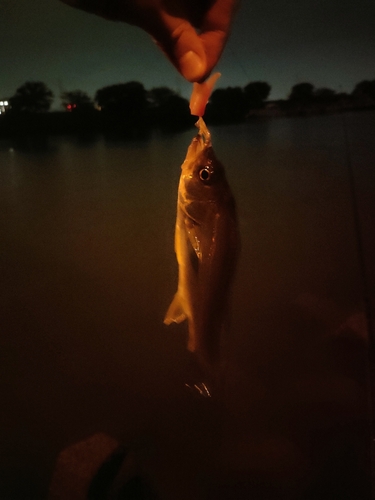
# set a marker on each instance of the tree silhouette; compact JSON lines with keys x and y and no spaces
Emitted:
{"x":158,"y":96}
{"x":256,"y":93}
{"x":32,"y":97}
{"x":364,"y":89}
{"x":227,"y":105}
{"x":168,"y":110}
{"x":128,"y":99}
{"x":124,"y":110}
{"x":325,"y":95}
{"x":302,"y":93}
{"x":76,"y":101}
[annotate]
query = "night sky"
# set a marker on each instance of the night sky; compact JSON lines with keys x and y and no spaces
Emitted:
{"x":330,"y":43}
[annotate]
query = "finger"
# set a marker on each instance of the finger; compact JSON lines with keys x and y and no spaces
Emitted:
{"x":215,"y":30}
{"x":213,"y":43}
{"x":180,"y":42}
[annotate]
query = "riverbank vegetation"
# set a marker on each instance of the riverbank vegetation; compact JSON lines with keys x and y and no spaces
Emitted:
{"x":129,"y":110}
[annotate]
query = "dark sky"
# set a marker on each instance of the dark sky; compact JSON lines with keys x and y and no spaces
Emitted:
{"x":329,"y":43}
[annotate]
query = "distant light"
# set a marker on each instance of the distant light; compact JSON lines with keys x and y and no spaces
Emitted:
{"x":5,"y":103}
{"x":2,"y":103}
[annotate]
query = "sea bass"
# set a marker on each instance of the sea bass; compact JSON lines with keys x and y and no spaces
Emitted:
{"x":206,"y":246}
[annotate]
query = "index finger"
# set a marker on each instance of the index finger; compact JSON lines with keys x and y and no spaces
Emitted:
{"x":216,"y":28}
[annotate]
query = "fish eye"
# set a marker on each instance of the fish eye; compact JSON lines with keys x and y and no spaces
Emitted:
{"x":204,"y":174}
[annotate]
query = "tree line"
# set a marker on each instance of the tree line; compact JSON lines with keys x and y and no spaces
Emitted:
{"x":133,"y":109}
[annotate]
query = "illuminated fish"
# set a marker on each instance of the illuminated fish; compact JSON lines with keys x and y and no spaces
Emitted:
{"x":206,"y":245}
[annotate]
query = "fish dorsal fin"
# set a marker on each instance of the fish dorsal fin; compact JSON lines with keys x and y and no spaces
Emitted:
{"x":175,"y":313}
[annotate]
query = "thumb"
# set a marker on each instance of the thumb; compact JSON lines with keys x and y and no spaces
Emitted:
{"x":213,"y":44}
{"x":183,"y":46}
{"x":215,"y":29}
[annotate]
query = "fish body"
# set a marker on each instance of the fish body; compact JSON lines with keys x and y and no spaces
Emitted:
{"x":206,"y":245}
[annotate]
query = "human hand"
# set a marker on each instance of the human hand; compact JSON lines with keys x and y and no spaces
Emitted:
{"x":192,"y":33}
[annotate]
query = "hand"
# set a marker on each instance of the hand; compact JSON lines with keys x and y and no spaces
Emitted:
{"x":192,"y":33}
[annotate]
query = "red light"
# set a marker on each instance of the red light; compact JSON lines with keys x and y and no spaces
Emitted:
{"x":69,"y":106}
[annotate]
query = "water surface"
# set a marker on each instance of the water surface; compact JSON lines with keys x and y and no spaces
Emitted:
{"x":88,"y":271}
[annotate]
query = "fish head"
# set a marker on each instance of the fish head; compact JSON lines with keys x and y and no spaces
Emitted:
{"x":203,"y":177}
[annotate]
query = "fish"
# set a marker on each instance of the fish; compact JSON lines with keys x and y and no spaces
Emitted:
{"x":206,"y":247}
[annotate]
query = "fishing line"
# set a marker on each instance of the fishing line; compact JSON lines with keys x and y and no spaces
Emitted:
{"x":366,"y":298}
{"x":238,"y":62}
{"x":255,"y":89}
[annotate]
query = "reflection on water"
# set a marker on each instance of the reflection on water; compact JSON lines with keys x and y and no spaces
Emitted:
{"x":87,"y":273}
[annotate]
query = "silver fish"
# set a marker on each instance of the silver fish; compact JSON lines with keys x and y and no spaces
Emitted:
{"x":206,"y":246}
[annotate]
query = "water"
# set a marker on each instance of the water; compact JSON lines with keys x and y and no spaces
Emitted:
{"x":88,"y":271}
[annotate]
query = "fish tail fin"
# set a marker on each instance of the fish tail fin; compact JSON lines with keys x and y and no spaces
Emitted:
{"x":175,"y":313}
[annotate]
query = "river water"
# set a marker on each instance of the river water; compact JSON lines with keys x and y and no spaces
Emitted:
{"x":88,"y":270}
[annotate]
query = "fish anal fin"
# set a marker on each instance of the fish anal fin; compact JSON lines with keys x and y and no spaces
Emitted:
{"x":175,"y":313}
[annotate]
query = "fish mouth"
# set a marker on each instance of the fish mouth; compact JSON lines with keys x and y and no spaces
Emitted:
{"x":204,"y":134}
{"x":201,"y":141}
{"x":198,"y":153}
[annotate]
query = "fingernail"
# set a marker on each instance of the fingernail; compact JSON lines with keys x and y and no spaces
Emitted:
{"x":191,"y":66}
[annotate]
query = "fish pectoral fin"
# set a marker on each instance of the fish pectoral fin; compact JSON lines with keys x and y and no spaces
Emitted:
{"x":175,"y":313}
{"x":195,"y":253}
